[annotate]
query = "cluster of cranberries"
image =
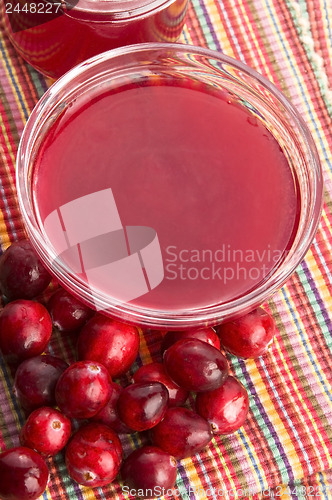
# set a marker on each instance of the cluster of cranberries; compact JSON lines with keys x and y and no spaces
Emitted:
{"x":53,"y":393}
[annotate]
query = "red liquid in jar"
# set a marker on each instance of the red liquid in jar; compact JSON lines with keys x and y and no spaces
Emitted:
{"x":194,"y":165}
{"x":57,"y":43}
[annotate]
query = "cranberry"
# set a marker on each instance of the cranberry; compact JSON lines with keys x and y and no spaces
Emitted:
{"x":22,"y":275}
{"x":226,"y":408}
{"x":68,"y":313}
{"x":25,"y":329}
{"x":248,"y":336}
{"x":204,"y":334}
{"x":181,"y":433}
{"x":23,"y":474}
{"x":141,"y":406}
{"x":94,"y":455}
{"x":155,"y":372}
{"x":195,"y":365}
{"x":151,"y":470}
{"x":109,"y":414}
{"x":35,"y":381}
{"x":109,"y":342}
{"x":46,"y":431}
{"x":83,"y":389}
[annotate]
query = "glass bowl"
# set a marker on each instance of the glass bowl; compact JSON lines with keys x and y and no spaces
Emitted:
{"x":111,"y":246}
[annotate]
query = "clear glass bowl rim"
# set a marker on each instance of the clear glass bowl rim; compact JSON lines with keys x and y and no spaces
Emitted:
{"x":178,"y":319}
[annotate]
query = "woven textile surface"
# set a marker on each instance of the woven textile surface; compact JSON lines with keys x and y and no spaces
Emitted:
{"x":284,"y":450}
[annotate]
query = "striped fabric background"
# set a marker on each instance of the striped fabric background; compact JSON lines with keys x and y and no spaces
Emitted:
{"x":284,"y":450}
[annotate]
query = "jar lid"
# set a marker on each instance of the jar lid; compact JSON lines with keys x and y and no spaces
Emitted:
{"x":96,"y":10}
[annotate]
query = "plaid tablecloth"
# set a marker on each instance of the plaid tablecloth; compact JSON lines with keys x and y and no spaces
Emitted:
{"x":285,"y":447}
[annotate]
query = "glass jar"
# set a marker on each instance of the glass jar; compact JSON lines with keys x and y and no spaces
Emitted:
{"x":55,"y":36}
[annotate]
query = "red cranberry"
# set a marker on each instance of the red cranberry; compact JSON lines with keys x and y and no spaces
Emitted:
{"x":23,"y":474}
{"x":151,"y":470}
{"x":109,"y":414}
{"x":94,"y":455}
{"x":226,"y":408}
{"x":204,"y":334}
{"x":25,"y":329}
{"x":109,"y":342}
{"x":22,"y":275}
{"x":83,"y":389}
{"x":195,"y":365}
{"x":155,"y":372}
{"x":35,"y":381}
{"x":68,"y":313}
{"x":248,"y":336}
{"x":181,"y":433}
{"x":142,"y":405}
{"x":46,"y":431}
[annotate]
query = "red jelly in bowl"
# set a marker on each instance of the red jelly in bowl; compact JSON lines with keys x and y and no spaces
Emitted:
{"x":168,"y":185}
